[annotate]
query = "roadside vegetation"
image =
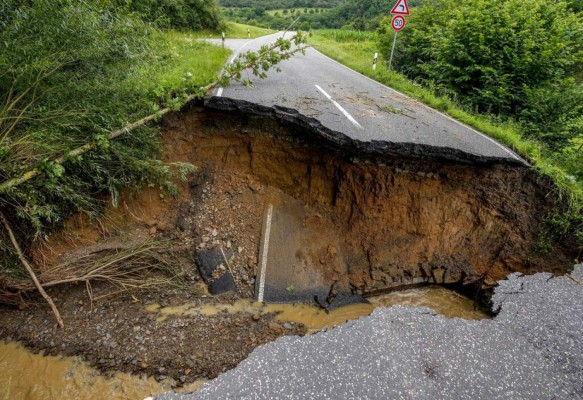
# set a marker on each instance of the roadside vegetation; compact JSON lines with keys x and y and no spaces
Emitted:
{"x":509,"y":69}
{"x":234,"y":30}
{"x":79,"y":84}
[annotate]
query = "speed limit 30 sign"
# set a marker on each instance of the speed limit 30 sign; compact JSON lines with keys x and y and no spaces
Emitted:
{"x":398,"y":23}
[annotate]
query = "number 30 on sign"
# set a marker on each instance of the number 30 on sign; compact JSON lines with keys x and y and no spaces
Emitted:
{"x":398,"y":23}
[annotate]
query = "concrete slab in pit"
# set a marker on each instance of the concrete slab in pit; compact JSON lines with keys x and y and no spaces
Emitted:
{"x":300,"y":256}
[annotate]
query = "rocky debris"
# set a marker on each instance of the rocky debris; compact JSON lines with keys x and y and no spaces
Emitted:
{"x":533,"y":349}
{"x":119,"y":335}
{"x":228,"y":216}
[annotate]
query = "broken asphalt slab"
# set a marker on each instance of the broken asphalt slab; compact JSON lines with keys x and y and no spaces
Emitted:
{"x":320,"y":92}
{"x":219,"y":280}
{"x":533,"y":349}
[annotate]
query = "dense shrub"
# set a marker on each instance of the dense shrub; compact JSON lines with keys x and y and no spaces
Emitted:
{"x":507,"y":57}
{"x":68,"y":76}
{"x":179,"y":14}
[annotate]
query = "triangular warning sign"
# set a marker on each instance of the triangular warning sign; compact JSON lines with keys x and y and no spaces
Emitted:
{"x":401,"y":8}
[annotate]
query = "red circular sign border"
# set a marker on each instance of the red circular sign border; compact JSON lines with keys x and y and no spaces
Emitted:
{"x":393,"y":22}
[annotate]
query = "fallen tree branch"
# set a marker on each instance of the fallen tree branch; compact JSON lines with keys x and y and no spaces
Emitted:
{"x":30,"y":271}
{"x":259,"y":63}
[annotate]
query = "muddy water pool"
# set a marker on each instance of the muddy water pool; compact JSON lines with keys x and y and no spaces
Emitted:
{"x":442,"y":300}
{"x":27,"y":376}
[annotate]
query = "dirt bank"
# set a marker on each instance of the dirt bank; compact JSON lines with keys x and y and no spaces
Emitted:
{"x":399,"y":221}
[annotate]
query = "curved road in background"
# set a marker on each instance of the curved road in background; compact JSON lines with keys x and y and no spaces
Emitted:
{"x":345,"y":101}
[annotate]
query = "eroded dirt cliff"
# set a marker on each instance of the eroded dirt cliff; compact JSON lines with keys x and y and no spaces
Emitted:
{"x":401,"y":220}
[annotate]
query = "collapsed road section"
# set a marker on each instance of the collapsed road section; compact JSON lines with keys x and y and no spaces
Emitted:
{"x":370,"y":215}
{"x":533,"y":349}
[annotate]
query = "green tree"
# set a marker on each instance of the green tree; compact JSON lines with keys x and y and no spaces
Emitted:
{"x":179,"y":14}
{"x":507,"y":57}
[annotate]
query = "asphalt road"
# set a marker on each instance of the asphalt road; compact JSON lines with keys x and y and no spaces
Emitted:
{"x":345,"y":101}
{"x":533,"y":349}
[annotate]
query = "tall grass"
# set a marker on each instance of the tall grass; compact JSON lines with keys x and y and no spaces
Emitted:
{"x":234,"y":30}
{"x":60,"y":90}
{"x":347,"y":35}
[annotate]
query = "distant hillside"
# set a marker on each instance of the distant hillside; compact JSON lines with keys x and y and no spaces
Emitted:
{"x":311,"y":14}
{"x":361,"y":14}
{"x":279,"y":4}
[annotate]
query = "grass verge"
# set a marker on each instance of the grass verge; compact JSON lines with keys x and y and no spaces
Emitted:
{"x":185,"y":63}
{"x":356,"y":51}
{"x":235,"y":30}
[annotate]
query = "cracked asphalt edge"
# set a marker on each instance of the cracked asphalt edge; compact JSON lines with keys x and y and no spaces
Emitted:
{"x":533,"y":349}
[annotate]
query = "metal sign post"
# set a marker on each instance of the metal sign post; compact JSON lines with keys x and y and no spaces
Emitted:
{"x":393,"y":50}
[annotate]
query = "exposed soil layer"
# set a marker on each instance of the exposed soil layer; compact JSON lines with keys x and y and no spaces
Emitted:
{"x":117,"y":333}
{"x":399,"y":221}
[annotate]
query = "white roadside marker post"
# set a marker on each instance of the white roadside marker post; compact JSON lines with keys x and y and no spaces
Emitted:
{"x":223,"y":35}
{"x":248,"y":33}
{"x":374,"y":63}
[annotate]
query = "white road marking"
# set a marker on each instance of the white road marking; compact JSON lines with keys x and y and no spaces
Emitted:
{"x":507,"y":150}
{"x":264,"y":255}
{"x":338,"y":106}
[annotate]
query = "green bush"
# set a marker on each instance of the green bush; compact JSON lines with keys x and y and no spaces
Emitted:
{"x":507,"y":57}
{"x":179,"y":14}
{"x":71,"y":72}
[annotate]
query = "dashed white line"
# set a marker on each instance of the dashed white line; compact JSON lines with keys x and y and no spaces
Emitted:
{"x":264,"y":255}
{"x":507,"y":150}
{"x":338,"y":106}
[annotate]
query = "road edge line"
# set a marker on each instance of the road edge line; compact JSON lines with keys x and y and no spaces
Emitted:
{"x":263,"y":254}
{"x":503,"y":147}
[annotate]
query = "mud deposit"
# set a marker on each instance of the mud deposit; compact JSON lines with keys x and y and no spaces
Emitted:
{"x":395,"y":222}
{"x":28,"y":376}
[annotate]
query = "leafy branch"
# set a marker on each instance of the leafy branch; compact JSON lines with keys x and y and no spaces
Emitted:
{"x":259,"y":62}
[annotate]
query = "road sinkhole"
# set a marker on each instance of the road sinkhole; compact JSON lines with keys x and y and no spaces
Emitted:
{"x":286,"y":228}
{"x":341,"y":217}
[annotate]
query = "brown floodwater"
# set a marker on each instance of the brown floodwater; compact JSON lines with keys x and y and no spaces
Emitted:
{"x":441,"y":300}
{"x":28,"y":376}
